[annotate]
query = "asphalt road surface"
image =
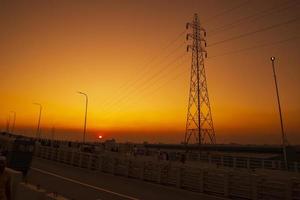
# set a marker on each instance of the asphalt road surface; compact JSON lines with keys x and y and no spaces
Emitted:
{"x":80,"y":184}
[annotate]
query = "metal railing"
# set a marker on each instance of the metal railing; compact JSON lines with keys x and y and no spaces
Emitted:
{"x":243,"y":162}
{"x":220,"y":181}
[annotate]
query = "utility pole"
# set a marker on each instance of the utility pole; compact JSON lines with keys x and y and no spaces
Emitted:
{"x":283,"y":136}
{"x":8,"y":124}
{"x":199,"y":118}
{"x":38,"y":133}
{"x":85,"y":116}
{"x":52,"y":133}
{"x":14,"y":121}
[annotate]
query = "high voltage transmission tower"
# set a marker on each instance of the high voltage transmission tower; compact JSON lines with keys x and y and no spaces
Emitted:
{"x":199,"y":122}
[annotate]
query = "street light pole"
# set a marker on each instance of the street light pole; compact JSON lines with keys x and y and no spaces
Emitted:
{"x":14,"y":121}
{"x":280,"y":115}
{"x":8,"y":124}
{"x":39,"y":122}
{"x":52,"y":133}
{"x":85,"y":117}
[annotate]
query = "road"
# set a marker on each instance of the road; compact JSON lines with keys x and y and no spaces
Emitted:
{"x":81,"y":184}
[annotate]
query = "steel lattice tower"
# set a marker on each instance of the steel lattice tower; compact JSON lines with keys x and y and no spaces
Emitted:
{"x":199,"y":119}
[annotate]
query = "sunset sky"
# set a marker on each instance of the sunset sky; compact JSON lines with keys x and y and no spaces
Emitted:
{"x":130,"y":57}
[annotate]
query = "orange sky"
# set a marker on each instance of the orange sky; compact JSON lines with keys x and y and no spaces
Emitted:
{"x":138,"y":88}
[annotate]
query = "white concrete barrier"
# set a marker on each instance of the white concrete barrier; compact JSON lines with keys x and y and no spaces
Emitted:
{"x":15,"y":178}
{"x":222,"y":181}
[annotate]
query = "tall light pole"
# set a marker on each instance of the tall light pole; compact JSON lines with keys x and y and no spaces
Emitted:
{"x":52,"y":133}
{"x":14,"y":121}
{"x":39,"y":122}
{"x":280,"y":115}
{"x":85,"y":116}
{"x":8,"y":123}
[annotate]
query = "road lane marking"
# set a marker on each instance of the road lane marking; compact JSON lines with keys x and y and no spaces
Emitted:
{"x":84,"y":184}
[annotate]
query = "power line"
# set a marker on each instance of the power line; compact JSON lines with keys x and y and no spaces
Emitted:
{"x":120,"y":99}
{"x":143,"y":90}
{"x":228,"y":10}
{"x":140,"y":90}
{"x":164,"y":77}
{"x":150,"y":78}
{"x":140,"y":78}
{"x":167,"y":81}
{"x":160,"y":86}
{"x":254,"y":32}
{"x":252,"y":18}
{"x":148,"y":64}
{"x":255,"y":47}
